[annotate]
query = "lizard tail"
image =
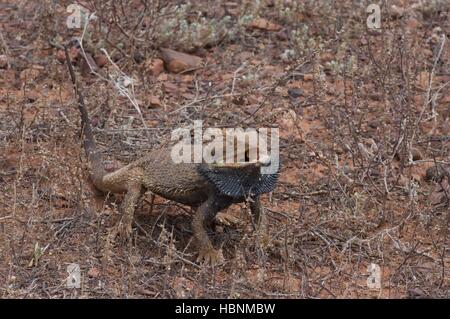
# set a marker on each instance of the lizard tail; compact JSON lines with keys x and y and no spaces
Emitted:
{"x":90,"y":146}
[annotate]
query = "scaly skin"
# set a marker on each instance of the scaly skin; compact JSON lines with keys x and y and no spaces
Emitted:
{"x":157,"y":173}
{"x":182,"y":183}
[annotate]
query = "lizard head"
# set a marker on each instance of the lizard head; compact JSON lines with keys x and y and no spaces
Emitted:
{"x":240,"y":173}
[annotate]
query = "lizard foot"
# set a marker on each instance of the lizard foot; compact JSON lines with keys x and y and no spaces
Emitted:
{"x":124,"y":231}
{"x":209,"y":255}
{"x":264,"y":240}
{"x":227,"y":219}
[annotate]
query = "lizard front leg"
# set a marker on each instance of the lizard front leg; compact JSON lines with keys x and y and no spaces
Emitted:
{"x":204,"y":216}
{"x":259,"y":220}
{"x":257,"y":210}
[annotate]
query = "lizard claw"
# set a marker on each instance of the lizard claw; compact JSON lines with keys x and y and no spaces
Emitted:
{"x":264,"y":240}
{"x":209,"y":255}
{"x":124,"y":231}
{"x":227,"y":219}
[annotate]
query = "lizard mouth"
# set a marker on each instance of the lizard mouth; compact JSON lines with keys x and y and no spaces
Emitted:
{"x":241,"y":164}
{"x":263,"y":162}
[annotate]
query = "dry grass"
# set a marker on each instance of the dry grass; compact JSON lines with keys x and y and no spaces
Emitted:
{"x":371,"y":118}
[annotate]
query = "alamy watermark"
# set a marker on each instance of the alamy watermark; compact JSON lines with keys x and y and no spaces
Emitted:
{"x":227,"y":146}
{"x":374,"y":18}
{"x":77,"y":17}
{"x":73,"y":280}
{"x":374,"y":278}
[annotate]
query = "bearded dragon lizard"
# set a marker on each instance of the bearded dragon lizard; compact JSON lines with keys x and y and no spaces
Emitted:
{"x":207,"y":188}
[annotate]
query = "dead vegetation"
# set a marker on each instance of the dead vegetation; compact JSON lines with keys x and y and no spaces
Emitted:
{"x":364,"y":125}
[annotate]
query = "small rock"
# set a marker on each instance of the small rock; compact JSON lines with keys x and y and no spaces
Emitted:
{"x":154,"y":101}
{"x":428,"y":53}
{"x":188,"y":96}
{"x":3,"y":61}
{"x":73,"y":55}
{"x":295,"y":92}
{"x":138,"y":57}
{"x":373,"y":124}
{"x":177,"y":62}
{"x":327,"y":57}
{"x":154,"y":66}
{"x":30,"y":74}
{"x":243,"y":56}
{"x":101,"y":60}
{"x":282,"y":35}
{"x":412,"y":24}
{"x":263,"y":24}
{"x":416,"y":154}
{"x":7,"y":77}
{"x":116,"y":56}
{"x":187,"y":78}
{"x":61,"y":56}
{"x":162,"y":77}
{"x":227,"y":76}
{"x":170,"y":88}
{"x":375,"y":96}
{"x":417,"y":293}
{"x":93,"y":272}
{"x":403,"y":181}
{"x":397,"y":12}
{"x":32,"y":96}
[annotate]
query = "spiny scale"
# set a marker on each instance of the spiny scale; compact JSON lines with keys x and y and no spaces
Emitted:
{"x":239,"y":182}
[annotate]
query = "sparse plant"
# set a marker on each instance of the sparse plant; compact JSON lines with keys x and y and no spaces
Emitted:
{"x":363,"y":121}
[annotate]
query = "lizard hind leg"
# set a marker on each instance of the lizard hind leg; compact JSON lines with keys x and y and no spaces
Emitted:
{"x":124,"y":227}
{"x":127,"y":179}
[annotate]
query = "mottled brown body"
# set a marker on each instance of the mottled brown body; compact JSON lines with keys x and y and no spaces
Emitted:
{"x":157,"y":173}
{"x":197,"y":185}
